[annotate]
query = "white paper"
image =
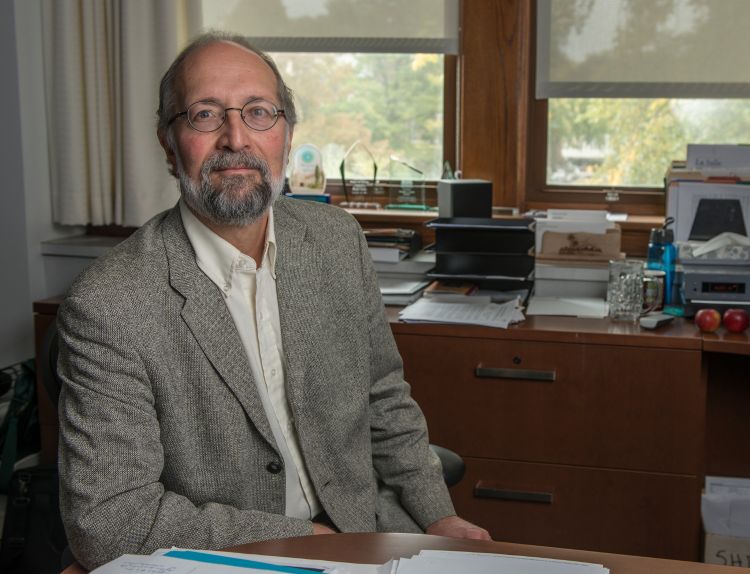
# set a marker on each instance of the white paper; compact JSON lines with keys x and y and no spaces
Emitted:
{"x":568,"y":307}
{"x":397,"y":286}
{"x":488,"y":314}
{"x":725,"y":506}
{"x":577,"y":214}
{"x":157,"y":563}
{"x":137,"y":564}
{"x":729,"y":158}
{"x":727,"y":485}
{"x":439,"y":562}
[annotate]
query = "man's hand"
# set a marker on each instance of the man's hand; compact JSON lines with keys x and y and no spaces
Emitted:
{"x":322,"y":529}
{"x":456,"y":527}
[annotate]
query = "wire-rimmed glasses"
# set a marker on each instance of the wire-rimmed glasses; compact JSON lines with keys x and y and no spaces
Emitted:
{"x":209,"y":116}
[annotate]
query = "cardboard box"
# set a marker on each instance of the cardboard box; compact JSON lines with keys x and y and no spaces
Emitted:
{"x":580,"y":245}
{"x":727,"y":550}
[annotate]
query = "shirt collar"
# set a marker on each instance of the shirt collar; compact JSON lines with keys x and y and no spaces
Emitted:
{"x":218,"y":258}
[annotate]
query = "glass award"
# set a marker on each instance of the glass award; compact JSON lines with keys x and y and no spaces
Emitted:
{"x":359,"y":173}
{"x":408,"y":188}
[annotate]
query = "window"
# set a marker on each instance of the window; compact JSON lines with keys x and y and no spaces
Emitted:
{"x":391,"y":103}
{"x":622,"y":86}
{"x":630,"y":142}
{"x":377,"y":72}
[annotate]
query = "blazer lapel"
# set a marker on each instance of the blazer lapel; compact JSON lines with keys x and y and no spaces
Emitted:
{"x":298,"y":277}
{"x":208,"y":318}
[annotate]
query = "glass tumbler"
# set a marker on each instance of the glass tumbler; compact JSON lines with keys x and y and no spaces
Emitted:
{"x":625,"y":290}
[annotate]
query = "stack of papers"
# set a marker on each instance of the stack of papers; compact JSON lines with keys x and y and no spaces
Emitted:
{"x":447,"y":562}
{"x":474,"y":311}
{"x":401,"y":290}
{"x":725,"y":506}
{"x":177,"y":561}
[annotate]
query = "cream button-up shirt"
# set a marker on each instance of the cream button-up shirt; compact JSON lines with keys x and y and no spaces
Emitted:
{"x":250,"y":294}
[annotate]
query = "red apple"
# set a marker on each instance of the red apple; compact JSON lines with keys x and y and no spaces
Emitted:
{"x":736,"y":320}
{"x":708,"y":320}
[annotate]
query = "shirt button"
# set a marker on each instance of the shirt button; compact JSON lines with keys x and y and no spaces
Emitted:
{"x":273,"y":467}
{"x":273,"y":372}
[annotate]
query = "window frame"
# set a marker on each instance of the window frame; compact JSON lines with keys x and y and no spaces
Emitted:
{"x":539,"y":194}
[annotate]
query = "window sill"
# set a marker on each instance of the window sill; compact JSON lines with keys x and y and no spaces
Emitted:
{"x":88,"y":246}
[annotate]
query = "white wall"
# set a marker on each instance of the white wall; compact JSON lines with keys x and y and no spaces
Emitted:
{"x":25,"y":205}
{"x":15,"y":299}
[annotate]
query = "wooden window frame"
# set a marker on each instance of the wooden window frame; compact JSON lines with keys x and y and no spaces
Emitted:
{"x":503,"y":128}
{"x":538,"y":193}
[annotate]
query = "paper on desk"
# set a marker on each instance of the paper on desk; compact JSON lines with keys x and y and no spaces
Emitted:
{"x":568,"y":306}
{"x":725,"y":506}
{"x":487,"y":314}
{"x":446,"y":562}
{"x":214,"y":562}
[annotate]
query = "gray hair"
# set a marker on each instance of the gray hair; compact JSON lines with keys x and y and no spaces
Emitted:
{"x":167,"y":92}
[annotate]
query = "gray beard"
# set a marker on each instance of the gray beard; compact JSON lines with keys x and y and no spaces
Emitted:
{"x":238,"y":200}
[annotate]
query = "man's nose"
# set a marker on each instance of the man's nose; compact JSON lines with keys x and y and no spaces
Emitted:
{"x":235,"y":134}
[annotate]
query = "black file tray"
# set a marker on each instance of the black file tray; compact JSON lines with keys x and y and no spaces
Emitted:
{"x":480,"y":235}
{"x":484,"y":264}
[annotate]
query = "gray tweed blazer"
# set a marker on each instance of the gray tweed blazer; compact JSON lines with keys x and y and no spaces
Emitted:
{"x":163,"y":438}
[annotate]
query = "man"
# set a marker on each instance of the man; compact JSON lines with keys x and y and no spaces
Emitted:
{"x":229,"y":374}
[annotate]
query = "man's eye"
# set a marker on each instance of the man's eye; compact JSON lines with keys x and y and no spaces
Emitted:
{"x":204,"y":114}
{"x":259,"y":112}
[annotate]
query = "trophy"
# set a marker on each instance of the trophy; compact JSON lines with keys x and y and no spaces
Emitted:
{"x":408,"y":191}
{"x":359,"y":174}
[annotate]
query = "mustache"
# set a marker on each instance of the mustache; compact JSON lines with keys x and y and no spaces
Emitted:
{"x":231,"y":160}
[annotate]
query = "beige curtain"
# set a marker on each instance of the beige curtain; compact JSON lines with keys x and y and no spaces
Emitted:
{"x":103,"y":63}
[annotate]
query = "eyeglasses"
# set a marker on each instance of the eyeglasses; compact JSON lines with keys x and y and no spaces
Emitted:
{"x":208,"y":116}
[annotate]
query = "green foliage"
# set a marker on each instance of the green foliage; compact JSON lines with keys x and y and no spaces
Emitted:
{"x":631,"y":142}
{"x":391,"y":103}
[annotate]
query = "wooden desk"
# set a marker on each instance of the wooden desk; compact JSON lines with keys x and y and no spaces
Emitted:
{"x":379,"y":548}
{"x":584,"y":433}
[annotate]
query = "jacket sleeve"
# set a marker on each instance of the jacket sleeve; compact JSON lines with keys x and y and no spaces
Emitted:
{"x":111,"y":457}
{"x":401,"y":455}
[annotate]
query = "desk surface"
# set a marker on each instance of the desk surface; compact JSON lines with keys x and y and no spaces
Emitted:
{"x":679,"y":334}
{"x":379,"y":548}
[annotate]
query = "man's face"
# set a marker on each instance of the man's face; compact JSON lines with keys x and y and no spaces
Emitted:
{"x":232,"y":175}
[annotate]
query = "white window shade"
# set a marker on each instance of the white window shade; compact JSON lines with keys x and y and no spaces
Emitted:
{"x":643,"y":49}
{"x":379,"y":26}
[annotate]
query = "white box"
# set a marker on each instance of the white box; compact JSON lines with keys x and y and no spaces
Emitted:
{"x":570,"y":280}
{"x":570,"y":288}
{"x":727,"y":550}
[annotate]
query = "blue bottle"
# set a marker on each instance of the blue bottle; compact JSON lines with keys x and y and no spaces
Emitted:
{"x":655,"y":255}
{"x":668,"y":265}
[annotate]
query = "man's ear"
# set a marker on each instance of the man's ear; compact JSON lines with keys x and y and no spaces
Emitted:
{"x":168,"y":151}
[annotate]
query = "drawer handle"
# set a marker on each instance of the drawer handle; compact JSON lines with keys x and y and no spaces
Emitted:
{"x":525,"y":374}
{"x":483,"y":491}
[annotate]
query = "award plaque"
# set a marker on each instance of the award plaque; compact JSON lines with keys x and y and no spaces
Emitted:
{"x":408,"y":189}
{"x":359,"y":173}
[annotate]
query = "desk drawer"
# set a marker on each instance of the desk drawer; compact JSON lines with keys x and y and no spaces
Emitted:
{"x":591,"y":405}
{"x":649,"y":514}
